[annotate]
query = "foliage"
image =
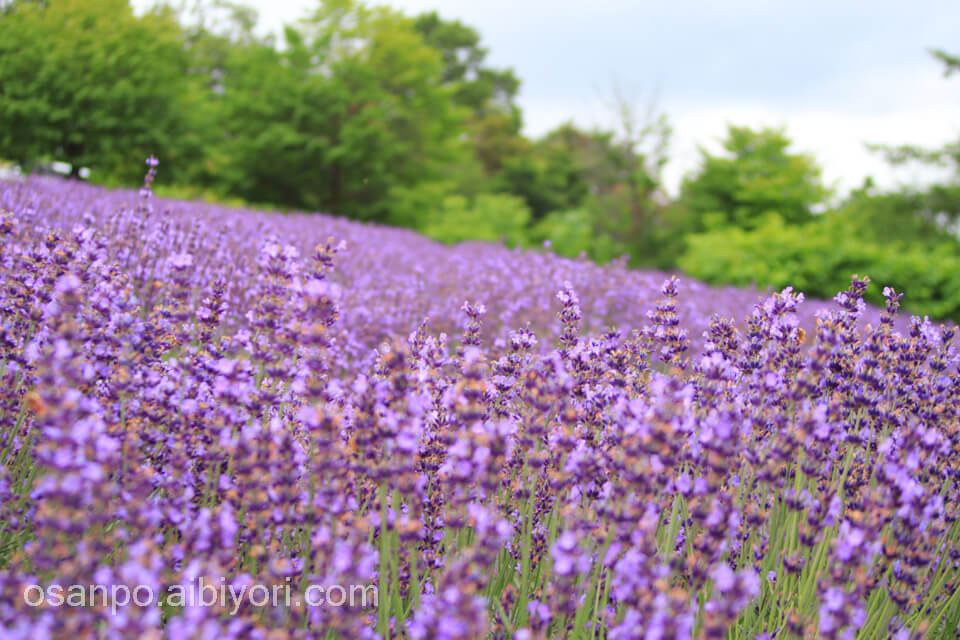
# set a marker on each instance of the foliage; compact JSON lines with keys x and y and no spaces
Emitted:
{"x":548,"y":176}
{"x":572,"y":233}
{"x":909,"y":215}
{"x":817,"y":256}
{"x":184,"y":192}
{"x":937,"y":206}
{"x":755,"y":176}
{"x":415,"y":206}
{"x":349,"y":111}
{"x":901,"y":238}
{"x":607,"y":184}
{"x":489,"y":217}
{"x":492,"y":128}
{"x":483,"y":89}
{"x":89,"y":83}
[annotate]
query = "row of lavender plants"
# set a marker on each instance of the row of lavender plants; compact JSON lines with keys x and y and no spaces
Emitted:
{"x":505,"y":444}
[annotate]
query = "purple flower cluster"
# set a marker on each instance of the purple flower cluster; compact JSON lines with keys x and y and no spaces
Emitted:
{"x":503,"y":443}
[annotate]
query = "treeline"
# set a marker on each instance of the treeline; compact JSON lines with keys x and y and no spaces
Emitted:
{"x":365,"y":112}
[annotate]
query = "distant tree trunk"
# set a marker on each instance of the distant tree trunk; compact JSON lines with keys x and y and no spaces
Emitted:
{"x":72,"y":152}
{"x":336,"y":187}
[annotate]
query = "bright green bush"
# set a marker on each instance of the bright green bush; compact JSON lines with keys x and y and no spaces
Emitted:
{"x":570,"y":233}
{"x":488,"y":217}
{"x":185,"y":192}
{"x":414,"y":206}
{"x":819,"y":257}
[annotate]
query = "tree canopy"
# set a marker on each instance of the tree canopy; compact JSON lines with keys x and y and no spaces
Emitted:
{"x":756,"y":175}
{"x":89,"y":83}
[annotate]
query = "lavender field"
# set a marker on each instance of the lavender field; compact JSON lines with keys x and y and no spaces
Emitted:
{"x":497,"y":443}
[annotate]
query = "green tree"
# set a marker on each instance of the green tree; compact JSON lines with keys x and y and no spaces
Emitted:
{"x":632,"y":206}
{"x":607,"y":185}
{"x":906,"y":216}
{"x":933,"y":209}
{"x":756,"y":175}
{"x":351,"y":111}
{"x":90,"y":83}
{"x":221,"y":38}
{"x":481,"y":88}
{"x":492,"y":128}
{"x":548,"y":174}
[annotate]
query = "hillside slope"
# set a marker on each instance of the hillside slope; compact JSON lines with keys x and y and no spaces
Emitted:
{"x":390,"y":279}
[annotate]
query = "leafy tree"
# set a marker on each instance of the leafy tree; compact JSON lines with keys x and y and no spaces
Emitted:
{"x":547,"y":174}
{"x":934,"y":209}
{"x":904,"y":238}
{"x":493,"y":125}
{"x":632,"y":206}
{"x":756,"y":175}
{"x":350,"y":111}
{"x":89,"y":83}
{"x":907,"y":216}
{"x":482,"y":89}
{"x":608,"y":182}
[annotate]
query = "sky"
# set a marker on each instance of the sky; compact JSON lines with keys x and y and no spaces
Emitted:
{"x":835,"y":73}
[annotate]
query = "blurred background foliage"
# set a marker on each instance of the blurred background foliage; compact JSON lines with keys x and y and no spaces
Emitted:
{"x":364,"y":112}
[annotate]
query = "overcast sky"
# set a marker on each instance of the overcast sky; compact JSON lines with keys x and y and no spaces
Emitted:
{"x":835,"y":73}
